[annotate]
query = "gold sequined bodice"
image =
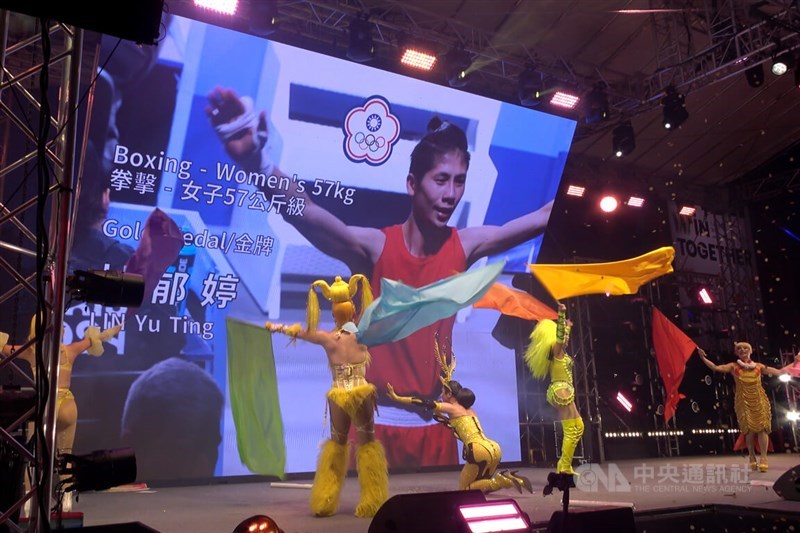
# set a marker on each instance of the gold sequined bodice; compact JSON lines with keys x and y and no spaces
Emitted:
{"x":467,"y":428}
{"x":349,"y":375}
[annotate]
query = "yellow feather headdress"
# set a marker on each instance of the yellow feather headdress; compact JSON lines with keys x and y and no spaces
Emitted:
{"x":441,"y":357}
{"x":340,"y":293}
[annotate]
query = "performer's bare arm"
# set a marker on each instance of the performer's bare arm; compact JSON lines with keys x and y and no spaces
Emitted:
{"x":725,"y":369}
{"x":482,"y":241}
{"x":770,"y":371}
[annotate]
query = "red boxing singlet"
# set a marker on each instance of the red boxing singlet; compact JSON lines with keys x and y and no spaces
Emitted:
{"x":409,"y":364}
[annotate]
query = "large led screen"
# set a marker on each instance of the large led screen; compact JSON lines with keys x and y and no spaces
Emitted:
{"x":334,"y":149}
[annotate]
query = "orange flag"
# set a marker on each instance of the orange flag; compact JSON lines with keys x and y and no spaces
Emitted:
{"x":512,"y":302}
{"x":619,"y":277}
{"x":673,"y":348}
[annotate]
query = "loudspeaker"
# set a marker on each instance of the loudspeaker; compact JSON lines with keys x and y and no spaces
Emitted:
{"x":788,"y":485}
{"x":137,"y":20}
{"x":424,"y":512}
{"x":616,"y":519}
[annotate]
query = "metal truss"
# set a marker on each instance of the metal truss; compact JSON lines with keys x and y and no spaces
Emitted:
{"x":24,"y":51}
{"x":586,"y":391}
{"x":731,"y":35}
{"x":533,"y":433}
{"x":696,"y":43}
{"x":739,"y":279}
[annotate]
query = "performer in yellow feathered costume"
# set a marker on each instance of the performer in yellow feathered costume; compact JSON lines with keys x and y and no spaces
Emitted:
{"x":481,"y":454}
{"x":546,"y":354}
{"x":351,"y":400}
{"x":66,"y":407}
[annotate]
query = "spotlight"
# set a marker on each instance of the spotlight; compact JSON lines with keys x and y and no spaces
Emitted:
{"x":782,"y":61}
{"x":258,"y":524}
{"x":227,"y":7}
{"x":755,"y":76}
{"x":596,"y":104}
{"x":704,"y":296}
{"x":499,"y":515}
{"x":565,"y":99}
{"x":687,"y":211}
{"x":624,"y":402}
{"x":529,"y":87}
{"x":674,"y":105}
{"x":99,"y":470}
{"x":623,"y":140}
{"x":263,"y":16}
{"x":576,"y":190}
{"x":635,"y":201}
{"x":608,"y":204}
{"x":785,"y":378}
{"x":457,"y":65}
{"x":418,"y":59}
{"x":106,"y":287}
{"x":793,"y":416}
{"x":362,"y":47}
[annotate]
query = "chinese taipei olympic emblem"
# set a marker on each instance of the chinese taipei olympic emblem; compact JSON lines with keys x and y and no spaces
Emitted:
{"x":370,"y":132}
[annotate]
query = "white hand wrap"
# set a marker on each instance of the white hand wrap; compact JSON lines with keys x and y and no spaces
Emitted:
{"x":248,"y":120}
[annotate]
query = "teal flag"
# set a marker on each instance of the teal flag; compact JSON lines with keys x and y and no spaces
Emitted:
{"x":253,"y":386}
{"x":401,"y":310}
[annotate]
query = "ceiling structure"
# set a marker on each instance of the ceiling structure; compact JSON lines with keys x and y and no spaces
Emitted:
{"x":636,"y":48}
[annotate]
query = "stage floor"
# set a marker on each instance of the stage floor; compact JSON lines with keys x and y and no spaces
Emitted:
{"x":647,"y":484}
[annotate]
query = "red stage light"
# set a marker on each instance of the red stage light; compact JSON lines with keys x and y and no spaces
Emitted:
{"x":258,"y":524}
{"x":608,"y":204}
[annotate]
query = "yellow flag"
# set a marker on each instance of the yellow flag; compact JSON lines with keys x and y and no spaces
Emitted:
{"x":619,"y":277}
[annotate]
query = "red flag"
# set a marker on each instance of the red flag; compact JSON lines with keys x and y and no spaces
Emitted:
{"x":673,"y":349}
{"x":514,"y":303}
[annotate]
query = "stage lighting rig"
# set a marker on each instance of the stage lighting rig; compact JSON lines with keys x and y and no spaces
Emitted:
{"x":457,"y":63}
{"x":106,"y":287}
{"x":623,"y":139}
{"x":596,"y":102}
{"x":755,"y":76}
{"x":362,"y":47}
{"x":262,"y":16}
{"x":674,"y":107}
{"x":98,"y":470}
{"x":530,"y":90}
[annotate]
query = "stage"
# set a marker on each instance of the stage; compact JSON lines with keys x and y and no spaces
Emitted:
{"x":649,"y":485}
